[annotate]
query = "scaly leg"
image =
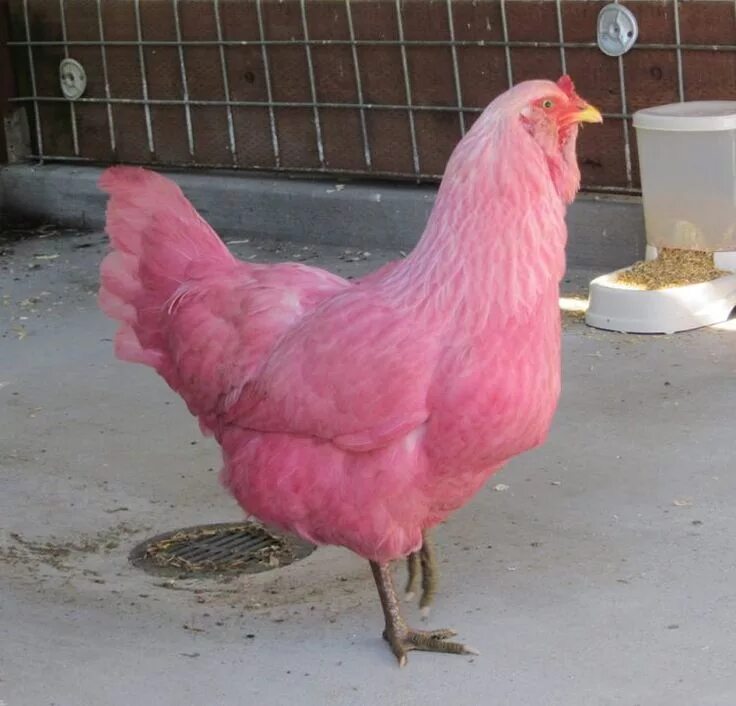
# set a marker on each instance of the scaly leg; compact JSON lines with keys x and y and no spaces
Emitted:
{"x":424,"y":558}
{"x":398,"y":634}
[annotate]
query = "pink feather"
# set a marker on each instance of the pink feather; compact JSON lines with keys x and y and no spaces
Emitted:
{"x":359,"y":414}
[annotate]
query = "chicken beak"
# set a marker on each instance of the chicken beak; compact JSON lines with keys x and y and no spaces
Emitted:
{"x":589,"y":114}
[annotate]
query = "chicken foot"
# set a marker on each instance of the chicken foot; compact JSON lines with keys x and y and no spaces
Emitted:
{"x":398,"y":634}
{"x":423,"y":559}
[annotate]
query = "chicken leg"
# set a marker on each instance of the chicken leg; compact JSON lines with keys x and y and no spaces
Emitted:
{"x":423,"y":559}
{"x":398,"y":634}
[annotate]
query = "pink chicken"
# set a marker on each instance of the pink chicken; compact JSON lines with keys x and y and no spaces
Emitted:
{"x":362,"y":413}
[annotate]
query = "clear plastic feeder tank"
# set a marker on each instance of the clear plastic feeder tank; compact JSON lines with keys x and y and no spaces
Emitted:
{"x":687,"y":157}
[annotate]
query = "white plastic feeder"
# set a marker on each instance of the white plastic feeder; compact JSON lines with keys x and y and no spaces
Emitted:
{"x":687,"y":158}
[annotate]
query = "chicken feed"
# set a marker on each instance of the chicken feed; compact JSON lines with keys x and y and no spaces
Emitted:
{"x":672,"y":268}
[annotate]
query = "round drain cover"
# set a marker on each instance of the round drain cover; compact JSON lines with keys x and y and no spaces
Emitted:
{"x":230,"y":548}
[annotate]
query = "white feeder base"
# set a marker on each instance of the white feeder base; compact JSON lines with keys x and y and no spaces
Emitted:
{"x":615,"y":307}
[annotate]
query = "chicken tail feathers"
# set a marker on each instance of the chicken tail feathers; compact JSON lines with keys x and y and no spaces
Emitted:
{"x":159,"y":244}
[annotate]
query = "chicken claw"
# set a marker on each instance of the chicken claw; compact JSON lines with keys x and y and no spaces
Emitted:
{"x":424,"y":558}
{"x":404,"y":639}
{"x":399,"y":635}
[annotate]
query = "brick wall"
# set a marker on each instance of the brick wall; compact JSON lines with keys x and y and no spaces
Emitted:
{"x":382,"y":138}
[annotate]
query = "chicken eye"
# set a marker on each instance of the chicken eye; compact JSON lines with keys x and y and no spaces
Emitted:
{"x":547,"y":104}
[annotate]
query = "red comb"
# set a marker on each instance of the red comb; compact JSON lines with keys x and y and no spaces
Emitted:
{"x":565,"y":83}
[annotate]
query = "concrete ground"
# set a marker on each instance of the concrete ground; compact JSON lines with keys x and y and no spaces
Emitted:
{"x":598,"y":570}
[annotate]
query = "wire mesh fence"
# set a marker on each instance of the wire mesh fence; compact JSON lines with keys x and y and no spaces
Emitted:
{"x":372,"y":88}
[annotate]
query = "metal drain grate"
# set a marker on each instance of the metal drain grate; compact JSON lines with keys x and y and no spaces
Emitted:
{"x":244,"y":547}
